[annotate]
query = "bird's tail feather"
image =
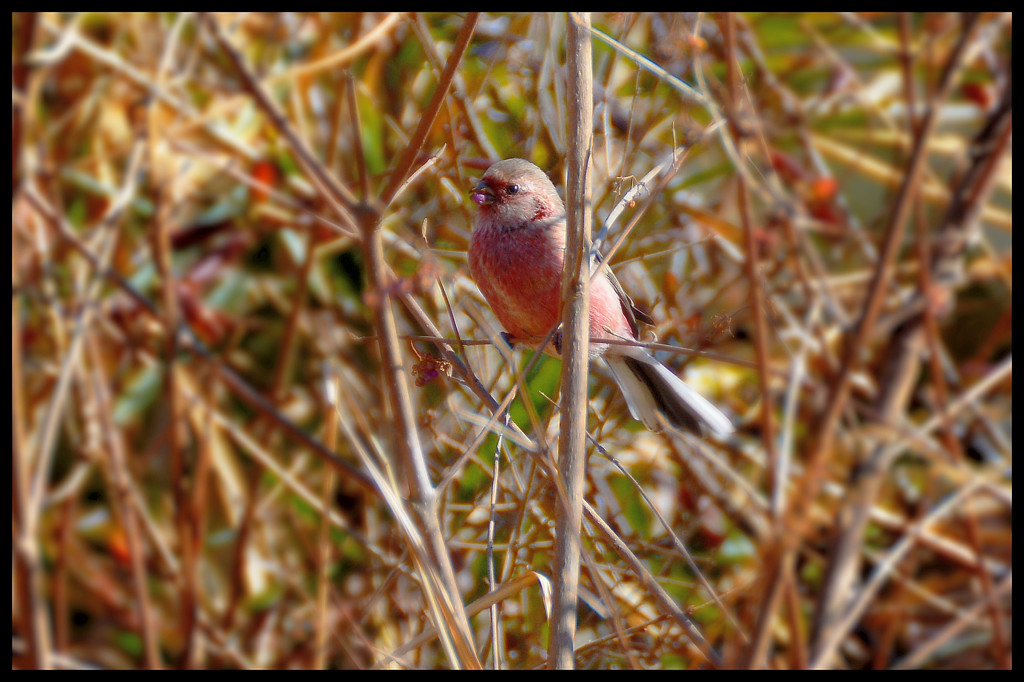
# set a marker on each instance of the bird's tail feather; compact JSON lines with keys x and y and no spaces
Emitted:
{"x":650,"y":387}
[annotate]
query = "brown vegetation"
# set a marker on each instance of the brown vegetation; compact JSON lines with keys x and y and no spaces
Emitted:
{"x":261,"y":416}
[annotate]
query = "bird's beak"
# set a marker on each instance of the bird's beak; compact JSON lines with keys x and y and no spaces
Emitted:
{"x":482,"y":194}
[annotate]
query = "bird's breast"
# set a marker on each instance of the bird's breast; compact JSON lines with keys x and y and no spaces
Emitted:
{"x":519,"y":271}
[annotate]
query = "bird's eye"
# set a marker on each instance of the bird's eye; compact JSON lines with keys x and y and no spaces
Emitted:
{"x":512,"y":189}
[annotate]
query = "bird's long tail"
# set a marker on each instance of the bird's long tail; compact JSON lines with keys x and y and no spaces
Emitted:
{"x":650,"y":387}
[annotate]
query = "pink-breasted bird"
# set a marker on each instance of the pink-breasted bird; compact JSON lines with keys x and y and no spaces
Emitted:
{"x":516,"y":256}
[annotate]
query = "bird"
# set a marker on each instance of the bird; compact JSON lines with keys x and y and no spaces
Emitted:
{"x":516,"y":256}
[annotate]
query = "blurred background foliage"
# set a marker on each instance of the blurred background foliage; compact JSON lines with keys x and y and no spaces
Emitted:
{"x":162,"y":516}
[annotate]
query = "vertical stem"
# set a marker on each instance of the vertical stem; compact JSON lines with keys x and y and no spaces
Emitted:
{"x":124,"y":504}
{"x":754,"y":655}
{"x":32,"y":619}
{"x":324,"y":546}
{"x":492,"y":581}
{"x":575,"y":342}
